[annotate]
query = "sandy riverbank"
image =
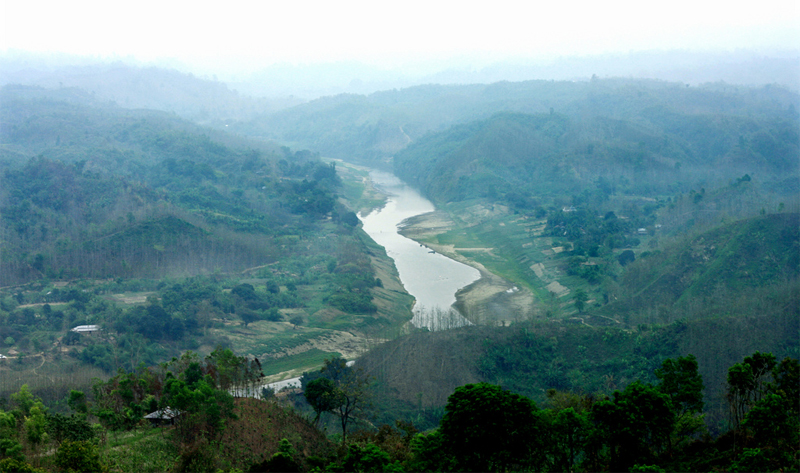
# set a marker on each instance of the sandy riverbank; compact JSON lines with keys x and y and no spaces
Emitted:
{"x":489,"y":300}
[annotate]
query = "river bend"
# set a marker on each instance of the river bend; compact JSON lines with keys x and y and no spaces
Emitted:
{"x":430,"y":277}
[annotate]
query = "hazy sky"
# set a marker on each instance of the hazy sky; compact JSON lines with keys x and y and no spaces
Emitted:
{"x":249,"y":35}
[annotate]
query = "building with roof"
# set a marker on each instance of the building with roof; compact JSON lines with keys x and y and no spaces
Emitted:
{"x":85,"y":329}
{"x":166,"y":416}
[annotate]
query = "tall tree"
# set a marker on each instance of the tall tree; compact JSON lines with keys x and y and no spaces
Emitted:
{"x":681,"y":381}
{"x":747,"y":384}
{"x":322,"y":395}
{"x":487,"y":428}
{"x":635,"y":424}
{"x":348,"y":395}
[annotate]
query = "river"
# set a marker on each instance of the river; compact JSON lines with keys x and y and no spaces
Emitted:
{"x":430,"y":277}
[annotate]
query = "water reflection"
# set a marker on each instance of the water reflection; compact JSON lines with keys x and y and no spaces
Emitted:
{"x":431,"y":278}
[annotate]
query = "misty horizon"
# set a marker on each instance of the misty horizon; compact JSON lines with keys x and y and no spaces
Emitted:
{"x":310,"y":49}
{"x":310,"y":81}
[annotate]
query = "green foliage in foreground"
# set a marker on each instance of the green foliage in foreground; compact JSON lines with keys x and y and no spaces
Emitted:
{"x":340,"y":390}
{"x":640,"y":428}
{"x":643,"y":427}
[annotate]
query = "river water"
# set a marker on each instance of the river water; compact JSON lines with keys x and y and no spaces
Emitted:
{"x":431,"y":278}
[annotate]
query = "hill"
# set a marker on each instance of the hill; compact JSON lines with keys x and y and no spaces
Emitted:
{"x":254,"y":436}
{"x":520,"y":157}
{"x":746,"y":267}
{"x":200,"y":99}
{"x":171,"y":236}
{"x":719,"y":295}
{"x":373,"y":128}
{"x":415,"y":374}
{"x":82,"y":178}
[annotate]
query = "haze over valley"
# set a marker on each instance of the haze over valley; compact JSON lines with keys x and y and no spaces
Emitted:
{"x":517,"y":238}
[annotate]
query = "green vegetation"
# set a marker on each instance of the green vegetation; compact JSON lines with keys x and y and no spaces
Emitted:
{"x":338,"y":389}
{"x":415,"y":374}
{"x":644,"y":426}
{"x":653,"y":229}
{"x":619,"y":120}
{"x":167,"y":237}
{"x":611,"y":195}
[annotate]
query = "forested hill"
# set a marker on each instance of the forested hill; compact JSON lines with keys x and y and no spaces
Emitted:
{"x":71,"y":123}
{"x":743,"y":268}
{"x":98,"y":191}
{"x":373,"y":128}
{"x":199,"y":99}
{"x":168,"y":236}
{"x":659,"y":151}
{"x":719,"y":295}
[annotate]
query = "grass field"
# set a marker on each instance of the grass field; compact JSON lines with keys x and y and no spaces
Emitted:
{"x":512,"y":246}
{"x":142,"y":450}
{"x":306,"y":361}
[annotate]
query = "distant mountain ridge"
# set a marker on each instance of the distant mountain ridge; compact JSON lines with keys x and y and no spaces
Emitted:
{"x":372,"y":129}
{"x":658,"y":149}
{"x":198,"y":99}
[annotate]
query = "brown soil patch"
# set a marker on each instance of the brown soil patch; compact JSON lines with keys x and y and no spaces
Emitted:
{"x":538,"y":269}
{"x":138,"y":298}
{"x":260,"y":425}
{"x":557,"y":288}
{"x":426,"y":225}
{"x":349,"y":345}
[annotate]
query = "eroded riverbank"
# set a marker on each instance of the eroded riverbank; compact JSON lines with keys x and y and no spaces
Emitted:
{"x":431,"y":277}
{"x":488,"y":300}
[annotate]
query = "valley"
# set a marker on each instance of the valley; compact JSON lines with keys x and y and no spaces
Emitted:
{"x":596,"y":239}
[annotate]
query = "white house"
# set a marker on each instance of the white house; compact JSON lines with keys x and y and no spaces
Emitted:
{"x":86,"y":329}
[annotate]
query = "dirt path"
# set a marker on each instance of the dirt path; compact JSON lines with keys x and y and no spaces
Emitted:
{"x":40,"y":365}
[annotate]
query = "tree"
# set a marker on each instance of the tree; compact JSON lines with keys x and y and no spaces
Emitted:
{"x":24,"y":399}
{"x":580,"y":299}
{"x":349,"y":218}
{"x":283,"y":460}
{"x":273,"y":287}
{"x":569,"y":430}
{"x":487,"y":428}
{"x":322,"y":395}
{"x":366,"y":458}
{"x":681,"y":381}
{"x":248,"y":316}
{"x":78,"y":456}
{"x":626,"y":257}
{"x":747,"y":384}
{"x":350,"y":395}
{"x":429,"y":453}
{"x":77,"y":401}
{"x":74,"y":428}
{"x":245,"y":291}
{"x":786,"y":383}
{"x":635,"y":424}
{"x":13,"y":465}
{"x":203,"y":408}
{"x":35,"y":425}
{"x":773,"y":420}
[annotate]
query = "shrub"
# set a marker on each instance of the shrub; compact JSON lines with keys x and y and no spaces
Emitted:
{"x":78,"y":456}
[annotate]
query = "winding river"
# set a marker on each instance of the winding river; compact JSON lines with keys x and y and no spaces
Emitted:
{"x":431,"y":278}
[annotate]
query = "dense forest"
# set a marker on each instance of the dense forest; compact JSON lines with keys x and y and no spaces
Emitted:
{"x":647,"y":426}
{"x":653,"y":228}
{"x":374,"y":128}
{"x":169,"y":236}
